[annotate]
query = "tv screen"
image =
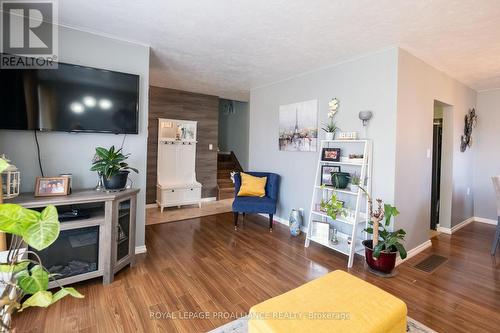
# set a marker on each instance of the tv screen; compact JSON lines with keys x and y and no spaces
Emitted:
{"x":71,"y":98}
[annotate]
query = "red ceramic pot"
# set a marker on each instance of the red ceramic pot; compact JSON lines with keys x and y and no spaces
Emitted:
{"x":385,"y":263}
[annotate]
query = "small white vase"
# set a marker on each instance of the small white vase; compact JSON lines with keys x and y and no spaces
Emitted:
{"x":329,"y":135}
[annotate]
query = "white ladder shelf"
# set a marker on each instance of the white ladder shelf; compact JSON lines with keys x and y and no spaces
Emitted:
{"x":350,"y":226}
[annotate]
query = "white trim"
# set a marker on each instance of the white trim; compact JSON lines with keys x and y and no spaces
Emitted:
{"x":149,"y":206}
{"x":485,"y":220}
{"x":413,"y":252}
{"x":140,"y":249}
{"x":102,"y":34}
{"x":457,"y":227}
{"x":444,"y":230}
{"x":488,"y":90}
{"x":284,"y":222}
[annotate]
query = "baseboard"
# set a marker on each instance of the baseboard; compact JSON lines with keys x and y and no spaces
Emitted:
{"x":457,"y":227}
{"x":276,"y":218}
{"x":485,"y":220}
{"x":149,"y":206}
{"x":413,"y":252}
{"x":140,"y":249}
{"x":284,"y":222}
{"x":444,"y":230}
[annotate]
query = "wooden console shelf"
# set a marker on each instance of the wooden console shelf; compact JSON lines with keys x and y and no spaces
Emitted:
{"x":112,"y":214}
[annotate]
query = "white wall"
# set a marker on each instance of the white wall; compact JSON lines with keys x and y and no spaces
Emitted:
{"x":419,"y":85}
{"x":233,"y":132}
{"x":368,"y":83}
{"x":72,"y":153}
{"x":486,"y":158}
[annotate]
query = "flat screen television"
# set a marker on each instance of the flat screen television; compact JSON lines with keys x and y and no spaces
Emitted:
{"x":70,"y":98}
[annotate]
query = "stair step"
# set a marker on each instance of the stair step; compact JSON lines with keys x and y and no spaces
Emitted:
{"x":226,"y":193}
{"x":224,"y":173}
{"x":225,"y":181}
{"x":223,"y":157}
{"x":225,"y":185}
{"x":226,"y":165}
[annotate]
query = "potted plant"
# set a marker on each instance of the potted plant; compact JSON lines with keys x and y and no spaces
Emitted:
{"x":340,"y":180}
{"x":385,"y":245}
{"x":110,"y":163}
{"x":355,"y":182}
{"x":333,"y":207}
{"x":23,"y":279}
{"x":331,"y":127}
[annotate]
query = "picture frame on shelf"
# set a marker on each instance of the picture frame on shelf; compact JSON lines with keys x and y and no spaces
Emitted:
{"x":326,"y":174}
{"x":330,"y":154}
{"x":51,"y":186}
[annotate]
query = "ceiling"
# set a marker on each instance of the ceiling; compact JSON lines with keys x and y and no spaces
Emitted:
{"x":227,"y":47}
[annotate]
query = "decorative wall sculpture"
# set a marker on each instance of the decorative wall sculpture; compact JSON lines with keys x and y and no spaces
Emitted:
{"x":470,"y":123}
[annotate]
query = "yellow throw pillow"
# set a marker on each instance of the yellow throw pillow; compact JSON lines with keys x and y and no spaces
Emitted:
{"x":252,"y":186}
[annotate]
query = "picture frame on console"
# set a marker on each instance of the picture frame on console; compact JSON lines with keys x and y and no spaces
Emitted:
{"x":51,"y":186}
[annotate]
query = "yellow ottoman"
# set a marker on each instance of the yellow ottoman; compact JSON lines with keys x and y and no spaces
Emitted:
{"x":336,"y":302}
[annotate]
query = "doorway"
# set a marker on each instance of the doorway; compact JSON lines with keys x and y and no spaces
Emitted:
{"x":437,"y":149}
{"x":442,"y":168}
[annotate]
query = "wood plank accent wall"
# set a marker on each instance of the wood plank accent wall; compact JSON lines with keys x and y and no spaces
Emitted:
{"x":177,"y":104}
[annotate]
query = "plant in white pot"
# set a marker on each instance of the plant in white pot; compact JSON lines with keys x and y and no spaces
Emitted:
{"x":110,"y":164}
{"x":331,"y":127}
{"x":23,"y":279}
{"x":355,"y":182}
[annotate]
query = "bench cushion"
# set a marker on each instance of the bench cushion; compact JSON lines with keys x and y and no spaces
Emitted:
{"x":339,"y":301}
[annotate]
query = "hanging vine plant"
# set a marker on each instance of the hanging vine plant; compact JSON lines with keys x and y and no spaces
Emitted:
{"x":470,"y":123}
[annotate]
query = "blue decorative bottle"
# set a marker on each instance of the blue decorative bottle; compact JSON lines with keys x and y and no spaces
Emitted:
{"x":295,"y":222}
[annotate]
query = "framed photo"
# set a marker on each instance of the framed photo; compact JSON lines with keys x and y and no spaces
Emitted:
{"x":326,"y":174}
{"x":51,"y":186}
{"x":330,"y":154}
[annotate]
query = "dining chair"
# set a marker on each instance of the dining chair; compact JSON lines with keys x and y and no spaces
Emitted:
{"x":496,"y":185}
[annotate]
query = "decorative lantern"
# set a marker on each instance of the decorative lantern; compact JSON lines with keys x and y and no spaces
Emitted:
{"x":11,"y":181}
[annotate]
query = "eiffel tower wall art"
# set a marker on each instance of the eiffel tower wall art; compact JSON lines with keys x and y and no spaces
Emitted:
{"x":298,"y":126}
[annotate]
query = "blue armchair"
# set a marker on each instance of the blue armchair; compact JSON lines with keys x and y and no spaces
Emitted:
{"x":265,"y":205}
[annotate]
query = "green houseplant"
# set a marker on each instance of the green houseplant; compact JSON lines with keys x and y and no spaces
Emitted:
{"x":24,"y":281}
{"x":355,"y":182}
{"x":333,"y":207}
{"x":331,"y":127}
{"x":111,"y":166}
{"x":385,"y":245}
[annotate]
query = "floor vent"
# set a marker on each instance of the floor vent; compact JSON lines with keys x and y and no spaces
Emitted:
{"x":431,"y":263}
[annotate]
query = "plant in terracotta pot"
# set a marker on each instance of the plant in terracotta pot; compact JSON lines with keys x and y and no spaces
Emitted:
{"x":110,"y":164}
{"x":381,"y":251}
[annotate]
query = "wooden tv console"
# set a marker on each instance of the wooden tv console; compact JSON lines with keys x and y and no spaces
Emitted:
{"x":113,"y":214}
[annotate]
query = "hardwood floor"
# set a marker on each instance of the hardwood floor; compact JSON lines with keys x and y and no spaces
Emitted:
{"x":204,"y":265}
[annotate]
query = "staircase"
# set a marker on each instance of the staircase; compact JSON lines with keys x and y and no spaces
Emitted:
{"x":226,"y":162}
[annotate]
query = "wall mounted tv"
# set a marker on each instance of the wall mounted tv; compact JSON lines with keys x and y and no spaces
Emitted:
{"x":70,"y":98}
